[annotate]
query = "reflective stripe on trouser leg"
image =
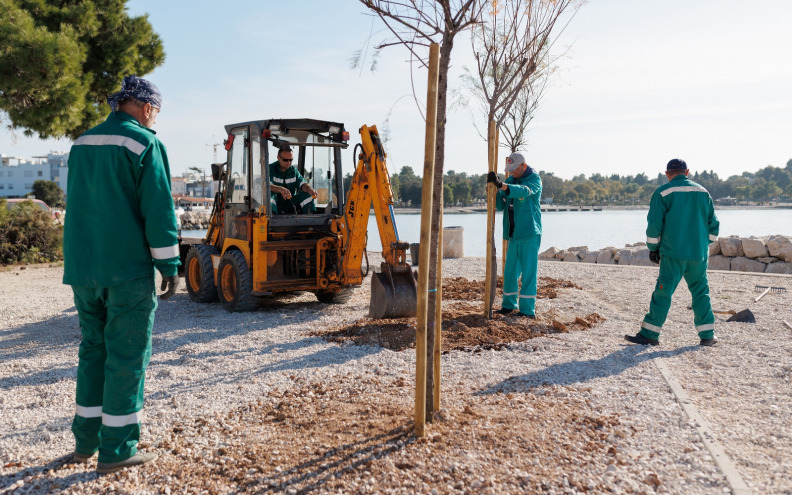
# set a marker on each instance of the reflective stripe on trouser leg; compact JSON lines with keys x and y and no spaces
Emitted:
{"x":528,"y":252}
{"x":667,"y":280}
{"x":90,"y":369}
{"x":303,"y":202}
{"x":511,"y":273}
{"x":703,"y":318}
{"x":127,"y":339}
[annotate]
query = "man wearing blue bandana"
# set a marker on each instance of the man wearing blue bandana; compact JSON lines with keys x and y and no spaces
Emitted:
{"x":518,"y":198}
{"x":291,"y":193}
{"x":120,"y":226}
{"x":682,"y":224}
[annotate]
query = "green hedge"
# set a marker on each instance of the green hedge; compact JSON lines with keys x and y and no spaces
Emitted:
{"x":28,"y":234}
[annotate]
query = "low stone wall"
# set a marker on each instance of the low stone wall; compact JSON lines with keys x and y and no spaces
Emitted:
{"x":191,"y":220}
{"x":770,"y":254}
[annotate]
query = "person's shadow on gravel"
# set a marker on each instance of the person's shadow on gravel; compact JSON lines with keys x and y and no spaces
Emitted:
{"x":572,"y":372}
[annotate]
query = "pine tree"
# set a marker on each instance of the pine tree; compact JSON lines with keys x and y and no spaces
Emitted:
{"x":60,"y":60}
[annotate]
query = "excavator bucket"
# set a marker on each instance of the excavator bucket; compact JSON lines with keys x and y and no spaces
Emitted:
{"x":393,"y":293}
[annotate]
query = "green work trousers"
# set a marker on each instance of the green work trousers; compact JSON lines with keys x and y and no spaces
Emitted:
{"x":522,"y":260}
{"x":116,"y":325}
{"x":672,"y":270}
{"x":300,"y":202}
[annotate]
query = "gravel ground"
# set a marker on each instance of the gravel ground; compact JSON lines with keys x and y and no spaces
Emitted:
{"x":254,"y":402}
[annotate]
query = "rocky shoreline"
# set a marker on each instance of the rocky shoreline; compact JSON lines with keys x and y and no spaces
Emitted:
{"x":768,"y":254}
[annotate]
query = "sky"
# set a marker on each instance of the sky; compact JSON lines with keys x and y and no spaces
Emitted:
{"x":638,"y":83}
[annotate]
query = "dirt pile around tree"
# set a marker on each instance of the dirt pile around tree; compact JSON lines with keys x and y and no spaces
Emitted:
{"x":464,"y":325}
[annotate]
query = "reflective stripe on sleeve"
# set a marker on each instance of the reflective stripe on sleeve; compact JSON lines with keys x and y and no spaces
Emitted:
{"x":108,"y":140}
{"x":653,"y":240}
{"x":164,"y":253}
{"x":651,"y":327}
{"x":704,"y":327}
{"x":713,"y":238}
{"x":683,"y":189}
{"x":88,"y":412}
{"x":119,"y":421}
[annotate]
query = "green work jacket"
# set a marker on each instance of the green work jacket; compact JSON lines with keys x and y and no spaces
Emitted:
{"x":291,"y":179}
{"x":681,"y":220}
{"x":523,"y":195}
{"x":120,"y":220}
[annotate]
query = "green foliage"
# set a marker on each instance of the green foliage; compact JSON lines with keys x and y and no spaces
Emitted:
{"x":49,"y":192}
{"x":28,"y":234}
{"x":59,"y":61}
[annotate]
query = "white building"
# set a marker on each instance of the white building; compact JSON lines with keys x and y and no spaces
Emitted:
{"x":17,"y":173}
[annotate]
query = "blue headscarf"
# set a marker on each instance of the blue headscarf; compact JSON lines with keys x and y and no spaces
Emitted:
{"x":138,"y":88}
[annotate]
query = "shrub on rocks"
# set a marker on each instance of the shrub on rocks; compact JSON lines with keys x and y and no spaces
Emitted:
{"x":29,"y":235}
{"x":731,"y":246}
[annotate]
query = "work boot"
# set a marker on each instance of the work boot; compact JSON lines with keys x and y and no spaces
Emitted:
{"x":504,"y":311}
{"x":709,"y":342}
{"x":640,"y":340}
{"x":136,"y":460}
{"x":523,"y":315}
{"x":78,"y":458}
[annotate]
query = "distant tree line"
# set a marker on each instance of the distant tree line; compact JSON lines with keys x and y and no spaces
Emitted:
{"x":769,"y":184}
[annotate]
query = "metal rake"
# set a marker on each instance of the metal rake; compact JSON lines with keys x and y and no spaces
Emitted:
{"x":765,"y":289}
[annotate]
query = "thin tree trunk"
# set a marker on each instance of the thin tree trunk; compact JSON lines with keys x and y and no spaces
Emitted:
{"x":437,"y":210}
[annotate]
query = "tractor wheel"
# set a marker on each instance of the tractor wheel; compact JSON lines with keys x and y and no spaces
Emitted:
{"x":235,"y":283}
{"x":199,"y":273}
{"x":330,"y":297}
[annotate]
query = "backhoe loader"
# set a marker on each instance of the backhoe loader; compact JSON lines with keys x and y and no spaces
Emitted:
{"x":251,"y":251}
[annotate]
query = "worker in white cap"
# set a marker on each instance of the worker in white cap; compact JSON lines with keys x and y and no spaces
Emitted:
{"x":518,"y":197}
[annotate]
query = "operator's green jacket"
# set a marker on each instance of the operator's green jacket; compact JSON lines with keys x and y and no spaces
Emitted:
{"x":674,"y":228}
{"x":291,"y":179}
{"x":524,"y":193}
{"x":120,"y":220}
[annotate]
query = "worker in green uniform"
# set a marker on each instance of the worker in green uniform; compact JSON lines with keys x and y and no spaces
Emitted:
{"x":681,"y":225}
{"x":291,"y":193}
{"x":120,"y":226}
{"x":518,"y":198}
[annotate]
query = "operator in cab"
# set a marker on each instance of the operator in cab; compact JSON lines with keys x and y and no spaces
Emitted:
{"x":291,"y":193}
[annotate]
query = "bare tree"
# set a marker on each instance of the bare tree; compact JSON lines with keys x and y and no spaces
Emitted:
{"x":415,"y":24}
{"x":510,"y":47}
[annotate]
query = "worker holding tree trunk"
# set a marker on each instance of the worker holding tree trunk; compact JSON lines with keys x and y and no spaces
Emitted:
{"x":519,"y":199}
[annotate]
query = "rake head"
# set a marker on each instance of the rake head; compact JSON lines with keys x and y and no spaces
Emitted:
{"x":774,"y":290}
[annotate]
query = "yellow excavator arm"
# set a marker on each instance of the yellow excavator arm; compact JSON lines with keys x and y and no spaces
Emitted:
{"x":393,"y":291}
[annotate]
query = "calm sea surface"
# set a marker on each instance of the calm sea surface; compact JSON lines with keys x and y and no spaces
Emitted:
{"x":564,"y":229}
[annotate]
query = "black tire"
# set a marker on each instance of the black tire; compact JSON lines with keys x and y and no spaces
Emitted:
{"x":235,"y":283}
{"x":330,"y":297}
{"x":199,"y":273}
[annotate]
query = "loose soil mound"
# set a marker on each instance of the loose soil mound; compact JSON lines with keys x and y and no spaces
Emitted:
{"x":464,"y":325}
{"x":366,"y":446}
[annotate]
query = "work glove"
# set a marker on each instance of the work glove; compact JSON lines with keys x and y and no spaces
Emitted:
{"x":493,"y":178}
{"x":171,"y":284}
{"x":654,"y":257}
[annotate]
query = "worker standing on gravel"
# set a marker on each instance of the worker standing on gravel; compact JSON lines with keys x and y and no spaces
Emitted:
{"x":682,"y":224}
{"x":518,"y":197}
{"x":120,"y":225}
{"x":291,"y":193}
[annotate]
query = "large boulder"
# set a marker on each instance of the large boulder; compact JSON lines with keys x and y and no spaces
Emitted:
{"x":731,"y":246}
{"x":754,"y":248}
{"x":625,"y":257}
{"x":767,"y":260}
{"x":714,"y":248}
{"x":641,"y":258}
{"x":781,"y":267}
{"x":549,"y":254}
{"x":719,"y":262}
{"x":605,"y":257}
{"x":742,"y":264}
{"x":591,"y":257}
{"x":780,"y":246}
{"x":571,"y":256}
